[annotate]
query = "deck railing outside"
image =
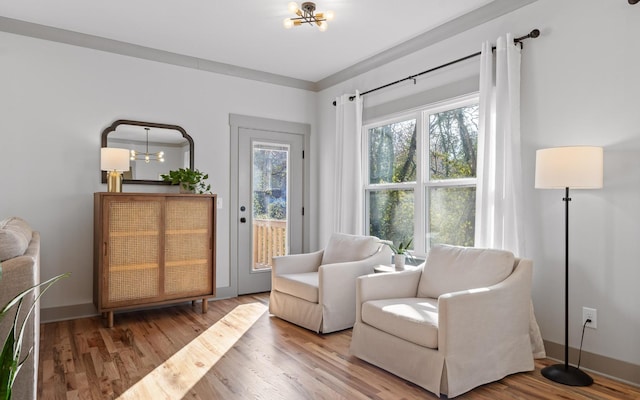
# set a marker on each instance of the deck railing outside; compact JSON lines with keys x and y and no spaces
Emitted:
{"x":269,"y":240}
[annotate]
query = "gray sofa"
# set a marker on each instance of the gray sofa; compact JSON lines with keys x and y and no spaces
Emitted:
{"x":20,"y":258}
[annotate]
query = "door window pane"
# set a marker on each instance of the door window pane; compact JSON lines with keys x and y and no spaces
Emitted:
{"x":452,"y":214}
{"x":270,"y":207}
{"x":453,"y":143}
{"x":392,"y":153}
{"x":391,"y":214}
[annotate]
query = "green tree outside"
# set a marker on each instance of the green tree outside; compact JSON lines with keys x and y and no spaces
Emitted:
{"x":452,"y":153}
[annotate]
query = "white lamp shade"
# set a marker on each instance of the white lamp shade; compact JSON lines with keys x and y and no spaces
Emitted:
{"x":114,"y":159}
{"x":576,"y":167}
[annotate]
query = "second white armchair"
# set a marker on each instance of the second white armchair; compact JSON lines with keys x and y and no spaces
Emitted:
{"x":317,"y":290}
{"x":459,"y":321}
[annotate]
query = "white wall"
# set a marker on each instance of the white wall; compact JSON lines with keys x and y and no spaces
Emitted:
{"x":580,"y":85}
{"x":56,"y":99}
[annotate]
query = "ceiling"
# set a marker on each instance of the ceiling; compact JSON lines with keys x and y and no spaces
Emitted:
{"x":250,"y":33}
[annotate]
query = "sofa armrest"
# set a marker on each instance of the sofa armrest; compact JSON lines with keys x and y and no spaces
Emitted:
{"x":296,"y":263}
{"x":22,"y":272}
{"x":474,"y":322}
{"x":18,"y":274}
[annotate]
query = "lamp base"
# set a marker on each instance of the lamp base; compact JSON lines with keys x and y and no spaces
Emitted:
{"x":114,"y":181}
{"x":567,"y":375}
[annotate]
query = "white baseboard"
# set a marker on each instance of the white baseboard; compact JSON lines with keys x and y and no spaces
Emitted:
{"x":64,"y":313}
{"x":609,"y":367}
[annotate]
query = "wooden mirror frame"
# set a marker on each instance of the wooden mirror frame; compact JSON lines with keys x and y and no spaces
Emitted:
{"x":114,"y":126}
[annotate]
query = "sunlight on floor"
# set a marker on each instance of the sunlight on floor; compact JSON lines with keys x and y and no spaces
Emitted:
{"x":176,"y":376}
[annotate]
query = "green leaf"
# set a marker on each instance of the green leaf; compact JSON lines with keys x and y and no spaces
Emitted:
{"x":402,"y":248}
{"x":10,"y":362}
{"x":188,"y":179}
{"x":8,"y":365}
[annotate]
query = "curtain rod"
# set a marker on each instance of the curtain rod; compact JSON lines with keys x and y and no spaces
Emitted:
{"x":533,"y":34}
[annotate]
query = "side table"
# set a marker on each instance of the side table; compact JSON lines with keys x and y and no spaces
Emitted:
{"x":384,"y":269}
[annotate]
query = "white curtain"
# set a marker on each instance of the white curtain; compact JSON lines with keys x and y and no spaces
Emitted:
{"x":499,"y":196}
{"x":347,"y":215}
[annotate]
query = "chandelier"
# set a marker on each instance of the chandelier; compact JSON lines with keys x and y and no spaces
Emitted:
{"x":306,"y":14}
{"x":135,"y":155}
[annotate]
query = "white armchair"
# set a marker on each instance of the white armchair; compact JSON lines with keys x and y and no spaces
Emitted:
{"x":317,"y":290}
{"x":460,"y":321}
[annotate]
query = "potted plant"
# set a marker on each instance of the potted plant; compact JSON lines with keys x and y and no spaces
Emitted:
{"x":10,"y":357}
{"x":400,"y":253}
{"x":190,"y":180}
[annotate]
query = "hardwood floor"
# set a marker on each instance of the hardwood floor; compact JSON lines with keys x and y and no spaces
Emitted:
{"x":238,"y":351}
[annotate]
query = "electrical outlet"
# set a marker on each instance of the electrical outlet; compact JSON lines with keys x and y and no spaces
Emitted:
{"x":219,"y":203}
{"x":592,"y":314}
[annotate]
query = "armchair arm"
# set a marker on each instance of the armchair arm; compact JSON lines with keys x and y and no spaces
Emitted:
{"x":476,"y":324}
{"x":386,"y":286}
{"x":337,"y":291}
{"x":296,"y":263}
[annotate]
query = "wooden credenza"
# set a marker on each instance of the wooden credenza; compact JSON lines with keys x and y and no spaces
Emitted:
{"x":151,"y":249}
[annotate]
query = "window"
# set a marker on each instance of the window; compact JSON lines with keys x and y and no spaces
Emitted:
{"x":421,"y":175}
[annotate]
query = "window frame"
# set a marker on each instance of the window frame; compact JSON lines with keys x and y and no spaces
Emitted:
{"x":422,"y":184}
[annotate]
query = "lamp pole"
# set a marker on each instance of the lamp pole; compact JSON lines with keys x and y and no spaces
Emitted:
{"x":565,"y":373}
{"x":566,"y":200}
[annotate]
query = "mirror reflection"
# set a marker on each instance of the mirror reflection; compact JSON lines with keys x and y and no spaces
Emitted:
{"x":154,"y":149}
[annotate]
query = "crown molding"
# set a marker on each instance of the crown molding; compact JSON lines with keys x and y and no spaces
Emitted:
{"x":44,"y":32}
{"x":458,"y":25}
{"x":463,"y":23}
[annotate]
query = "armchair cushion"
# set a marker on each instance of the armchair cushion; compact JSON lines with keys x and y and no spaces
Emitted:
{"x":412,"y":319}
{"x":344,"y":248}
{"x":15,"y":235}
{"x":453,"y":268}
{"x":303,"y":285}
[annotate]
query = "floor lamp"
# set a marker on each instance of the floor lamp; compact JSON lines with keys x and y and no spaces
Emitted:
{"x":578,"y":167}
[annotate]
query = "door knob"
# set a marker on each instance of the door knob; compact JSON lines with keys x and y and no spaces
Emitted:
{"x":242,"y":208}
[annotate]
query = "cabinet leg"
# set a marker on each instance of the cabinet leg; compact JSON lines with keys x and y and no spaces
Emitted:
{"x":110,"y":319}
{"x":193,"y":303}
{"x":205,"y":305}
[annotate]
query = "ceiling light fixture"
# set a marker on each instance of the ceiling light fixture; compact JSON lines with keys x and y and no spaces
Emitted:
{"x":306,"y":14}
{"x":134,"y":155}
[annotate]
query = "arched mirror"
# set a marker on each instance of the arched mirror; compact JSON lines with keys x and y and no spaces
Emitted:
{"x":155,"y":149}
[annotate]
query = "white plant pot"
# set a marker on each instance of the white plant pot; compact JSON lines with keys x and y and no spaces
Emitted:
{"x":398,"y":260}
{"x":185,"y":191}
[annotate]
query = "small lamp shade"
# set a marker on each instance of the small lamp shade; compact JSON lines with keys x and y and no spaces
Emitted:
{"x":113,"y":159}
{"x":575,"y":167}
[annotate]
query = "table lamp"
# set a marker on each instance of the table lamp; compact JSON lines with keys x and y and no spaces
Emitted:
{"x":114,"y":161}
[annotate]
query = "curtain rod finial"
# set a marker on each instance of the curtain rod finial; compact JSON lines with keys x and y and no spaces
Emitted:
{"x":534,"y":33}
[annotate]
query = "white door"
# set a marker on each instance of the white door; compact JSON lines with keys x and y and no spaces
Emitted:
{"x":270,"y":203}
